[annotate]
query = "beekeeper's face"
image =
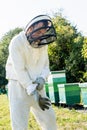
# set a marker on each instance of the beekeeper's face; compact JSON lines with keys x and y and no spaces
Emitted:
{"x":40,"y":31}
{"x":38,"y":28}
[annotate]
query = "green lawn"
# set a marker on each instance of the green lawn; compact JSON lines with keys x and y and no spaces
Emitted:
{"x":66,"y":119}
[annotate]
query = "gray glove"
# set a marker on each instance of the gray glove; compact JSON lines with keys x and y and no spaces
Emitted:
{"x":44,"y":103}
{"x":40,"y":81}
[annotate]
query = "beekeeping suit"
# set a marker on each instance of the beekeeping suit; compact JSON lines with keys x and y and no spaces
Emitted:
{"x":27,"y":69}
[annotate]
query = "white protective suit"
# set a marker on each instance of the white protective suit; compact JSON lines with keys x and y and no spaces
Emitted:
{"x":23,"y":66}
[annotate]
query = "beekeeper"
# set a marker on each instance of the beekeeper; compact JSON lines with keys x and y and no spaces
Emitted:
{"x":27,"y":69}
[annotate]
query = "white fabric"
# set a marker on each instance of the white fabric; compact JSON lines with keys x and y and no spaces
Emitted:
{"x":20,"y":106}
{"x":44,"y":73}
{"x":25,"y":63}
{"x":31,"y":88}
{"x":36,"y":19}
{"x":23,"y":66}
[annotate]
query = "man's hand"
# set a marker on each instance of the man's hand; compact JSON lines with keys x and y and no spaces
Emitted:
{"x":43,"y":102}
{"x":40,"y":81}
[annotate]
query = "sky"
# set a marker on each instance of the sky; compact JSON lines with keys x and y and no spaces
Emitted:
{"x":17,"y":13}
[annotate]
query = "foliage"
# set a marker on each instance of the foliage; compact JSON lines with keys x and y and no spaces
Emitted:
{"x":3,"y":83}
{"x":84,"y":54}
{"x":65,"y":53}
{"x":84,"y":50}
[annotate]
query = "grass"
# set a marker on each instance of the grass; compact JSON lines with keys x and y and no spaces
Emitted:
{"x":66,"y":119}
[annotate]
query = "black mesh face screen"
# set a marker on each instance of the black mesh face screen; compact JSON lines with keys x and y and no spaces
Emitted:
{"x":41,"y":33}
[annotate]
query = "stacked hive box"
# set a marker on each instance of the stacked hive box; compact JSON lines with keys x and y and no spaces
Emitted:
{"x":69,"y":93}
{"x":55,"y":78}
{"x":83,"y":88}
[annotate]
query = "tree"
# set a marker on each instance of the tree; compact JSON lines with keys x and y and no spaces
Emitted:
{"x":65,"y":53}
{"x":84,"y":54}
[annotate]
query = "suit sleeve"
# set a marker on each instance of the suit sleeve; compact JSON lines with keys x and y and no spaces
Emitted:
{"x":18,"y":62}
{"x":46,"y":70}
